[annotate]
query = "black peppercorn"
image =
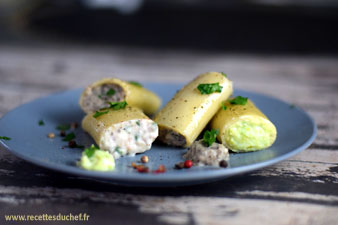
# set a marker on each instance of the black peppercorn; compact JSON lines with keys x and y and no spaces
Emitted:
{"x":179,"y":165}
{"x":72,"y":144}
{"x":223,"y":164}
{"x":62,"y":133}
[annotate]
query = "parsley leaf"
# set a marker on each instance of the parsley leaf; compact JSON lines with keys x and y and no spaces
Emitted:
{"x":117,"y":149}
{"x":69,"y":137}
{"x":209,"y":88}
{"x":113,"y":105}
{"x":224,"y":74}
{"x":63,"y":127}
{"x":100,"y":113}
{"x":209,"y":137}
{"x":5,"y":138}
{"x":90,"y":151}
{"x":110,"y":92}
{"x":239,"y":100}
{"x":135,"y":83}
{"x":41,"y":123}
{"x":223,"y":106}
{"x":117,"y":105}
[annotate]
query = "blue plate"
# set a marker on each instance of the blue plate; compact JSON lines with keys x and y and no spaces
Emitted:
{"x":296,"y":131}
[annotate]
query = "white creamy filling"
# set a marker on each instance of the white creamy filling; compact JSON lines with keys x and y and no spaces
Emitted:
{"x":97,"y":97}
{"x":129,"y":137}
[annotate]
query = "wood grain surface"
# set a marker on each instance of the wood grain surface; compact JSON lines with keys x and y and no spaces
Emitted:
{"x":302,"y":190}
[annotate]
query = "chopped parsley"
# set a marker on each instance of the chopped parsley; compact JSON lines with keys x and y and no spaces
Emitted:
{"x":209,"y":137}
{"x":69,"y":137}
{"x":91,"y":150}
{"x":136,"y":137}
{"x":63,"y":127}
{"x":117,"y":149}
{"x":41,"y":123}
{"x":209,"y":88}
{"x":223,"y":106}
{"x":224,"y":74}
{"x":5,"y":138}
{"x":138,"y":123}
{"x":110,"y":92}
{"x":135,"y":83}
{"x":117,"y":105}
{"x":292,"y":106}
{"x":79,"y":146}
{"x":100,"y":113}
{"x":113,"y":105}
{"x":239,"y":100}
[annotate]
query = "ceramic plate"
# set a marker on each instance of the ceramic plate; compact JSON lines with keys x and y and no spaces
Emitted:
{"x":296,"y":131}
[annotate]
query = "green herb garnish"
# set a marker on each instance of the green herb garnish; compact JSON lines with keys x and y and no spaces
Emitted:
{"x":117,"y":149}
{"x":209,"y":137}
{"x":138,"y":123}
{"x":239,"y":100}
{"x":41,"y":123}
{"x":224,"y":74}
{"x":117,"y":105}
{"x":209,"y":88}
{"x":5,"y":138}
{"x":113,"y":105}
{"x":100,"y":113}
{"x":110,"y":92}
{"x":91,"y":150}
{"x":63,"y":127}
{"x":135,"y":83}
{"x":69,"y":137}
{"x":292,"y":106}
{"x":224,"y":107}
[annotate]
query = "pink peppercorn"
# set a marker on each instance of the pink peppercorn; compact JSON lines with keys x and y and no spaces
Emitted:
{"x":188,"y":164}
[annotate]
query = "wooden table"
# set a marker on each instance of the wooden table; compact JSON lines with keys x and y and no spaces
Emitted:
{"x":300,"y":190}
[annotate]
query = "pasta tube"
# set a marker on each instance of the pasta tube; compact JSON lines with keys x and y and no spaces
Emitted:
{"x":243,"y":128}
{"x":189,"y":111}
{"x":98,"y":95}
{"x":124,"y":131}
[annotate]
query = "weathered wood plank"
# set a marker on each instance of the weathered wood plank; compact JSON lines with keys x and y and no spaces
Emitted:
{"x":182,"y":210}
{"x":301,"y":190}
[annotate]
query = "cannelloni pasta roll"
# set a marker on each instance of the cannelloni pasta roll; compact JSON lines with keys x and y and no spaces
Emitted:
{"x":99,"y":94}
{"x":243,"y":128}
{"x":125,"y":131}
{"x":189,"y":111}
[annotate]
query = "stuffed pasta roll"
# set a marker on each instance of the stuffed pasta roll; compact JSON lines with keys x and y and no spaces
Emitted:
{"x":243,"y":127}
{"x":189,"y":111}
{"x":99,"y":94}
{"x":125,"y":131}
